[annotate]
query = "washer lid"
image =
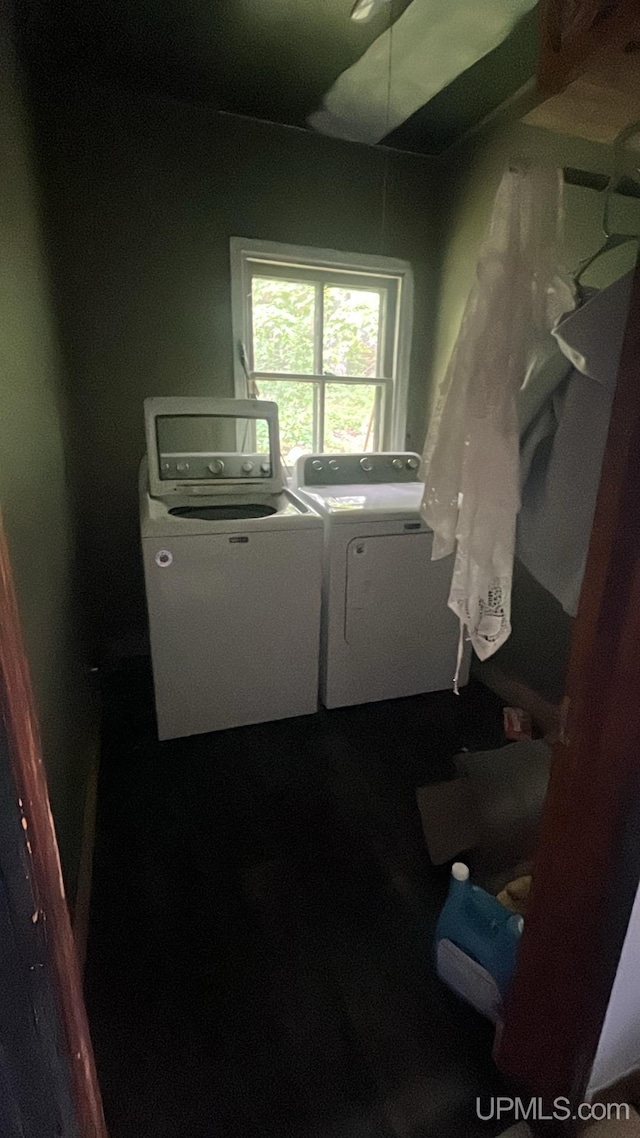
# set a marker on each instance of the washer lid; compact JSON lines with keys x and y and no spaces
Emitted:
{"x":185,"y":516}
{"x":212,"y":447}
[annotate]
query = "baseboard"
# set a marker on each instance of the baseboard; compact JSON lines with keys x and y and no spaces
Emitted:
{"x":82,"y":901}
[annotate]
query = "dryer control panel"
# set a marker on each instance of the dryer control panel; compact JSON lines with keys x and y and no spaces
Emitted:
{"x":357,"y":469}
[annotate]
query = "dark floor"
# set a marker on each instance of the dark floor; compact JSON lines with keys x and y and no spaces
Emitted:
{"x":263,"y":910}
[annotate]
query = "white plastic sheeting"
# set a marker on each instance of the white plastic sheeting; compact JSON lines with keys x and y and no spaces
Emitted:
{"x":428,"y":46}
{"x":471,"y":457}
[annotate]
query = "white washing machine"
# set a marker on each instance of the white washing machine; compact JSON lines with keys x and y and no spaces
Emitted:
{"x":386,"y":628}
{"x":232,"y":565}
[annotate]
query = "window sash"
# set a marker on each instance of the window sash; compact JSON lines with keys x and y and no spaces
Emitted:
{"x":324,"y":377}
{"x":385,"y":349}
{"x":340,"y":278}
{"x":392,"y":278}
{"x":383,"y":396}
{"x":386,"y":323}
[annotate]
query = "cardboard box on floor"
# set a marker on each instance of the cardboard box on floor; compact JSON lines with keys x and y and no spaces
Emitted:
{"x":490,"y":811}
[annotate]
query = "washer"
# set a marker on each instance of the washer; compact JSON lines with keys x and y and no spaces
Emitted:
{"x":232,"y":565}
{"x":386,"y":630}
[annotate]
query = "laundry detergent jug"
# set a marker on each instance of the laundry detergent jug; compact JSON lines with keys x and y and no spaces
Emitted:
{"x":476,"y":944}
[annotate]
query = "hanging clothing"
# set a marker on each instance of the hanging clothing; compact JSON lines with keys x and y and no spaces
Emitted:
{"x":471,"y":457}
{"x":533,"y":397}
{"x":563,"y":448}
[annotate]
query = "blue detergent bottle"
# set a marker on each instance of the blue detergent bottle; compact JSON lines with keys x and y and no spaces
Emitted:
{"x":482,"y":929}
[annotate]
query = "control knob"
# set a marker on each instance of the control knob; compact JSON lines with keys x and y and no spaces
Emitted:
{"x":217,"y":466}
{"x":333,"y":465}
{"x":316,"y":465}
{"x":182,"y":467}
{"x":397,"y":464}
{"x":366,"y":464}
{"x":247,"y":467}
{"x":412,"y":463}
{"x":265,"y":468}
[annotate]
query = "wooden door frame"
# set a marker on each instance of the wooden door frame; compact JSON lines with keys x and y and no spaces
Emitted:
{"x":599,"y":27}
{"x":587,"y":865}
{"x":41,"y":850}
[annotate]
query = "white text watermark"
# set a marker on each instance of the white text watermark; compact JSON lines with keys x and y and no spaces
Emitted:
{"x":503,"y":1108}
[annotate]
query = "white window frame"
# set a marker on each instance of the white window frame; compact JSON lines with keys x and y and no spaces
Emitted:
{"x":245,"y":253}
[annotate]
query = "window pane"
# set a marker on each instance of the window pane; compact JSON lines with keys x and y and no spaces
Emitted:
{"x":350,"y":417}
{"x":283,"y":318}
{"x":187,"y":443}
{"x":295,"y":413}
{"x":351,"y":331}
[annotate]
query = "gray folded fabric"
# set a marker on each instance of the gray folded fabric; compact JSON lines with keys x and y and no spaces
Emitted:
{"x":563,"y":446}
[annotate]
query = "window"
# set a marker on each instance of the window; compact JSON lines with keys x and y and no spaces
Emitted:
{"x":326,"y":336}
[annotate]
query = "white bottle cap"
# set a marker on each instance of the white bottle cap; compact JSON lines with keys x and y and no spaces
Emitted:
{"x":460,"y":871}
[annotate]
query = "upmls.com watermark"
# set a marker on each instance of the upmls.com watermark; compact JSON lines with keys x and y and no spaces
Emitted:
{"x":505,"y":1108}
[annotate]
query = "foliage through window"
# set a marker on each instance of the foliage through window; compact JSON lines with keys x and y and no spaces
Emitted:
{"x":323,"y":342}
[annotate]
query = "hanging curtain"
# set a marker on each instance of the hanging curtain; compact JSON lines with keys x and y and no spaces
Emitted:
{"x":471,"y":457}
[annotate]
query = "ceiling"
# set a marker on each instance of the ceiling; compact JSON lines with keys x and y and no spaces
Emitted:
{"x":269,"y":59}
{"x":603,"y":103}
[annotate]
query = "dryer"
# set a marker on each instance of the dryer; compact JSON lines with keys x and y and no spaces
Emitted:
{"x":387,"y":630}
{"x":232,"y":566}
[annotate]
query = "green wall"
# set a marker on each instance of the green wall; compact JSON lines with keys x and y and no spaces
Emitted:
{"x":143,"y":197}
{"x":33,"y":481}
{"x":537,"y":649}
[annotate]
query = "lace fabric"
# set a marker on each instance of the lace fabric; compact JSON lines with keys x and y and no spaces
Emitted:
{"x":471,"y":457}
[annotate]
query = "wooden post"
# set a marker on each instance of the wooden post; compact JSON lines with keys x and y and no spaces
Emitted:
{"x":587,"y":865}
{"x":573,"y":35}
{"x":17,"y":706}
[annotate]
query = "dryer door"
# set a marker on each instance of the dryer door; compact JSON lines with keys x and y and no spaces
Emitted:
{"x":396,"y":596}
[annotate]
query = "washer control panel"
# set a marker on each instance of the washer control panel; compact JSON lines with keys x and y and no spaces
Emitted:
{"x":200,"y":465}
{"x":357,"y":469}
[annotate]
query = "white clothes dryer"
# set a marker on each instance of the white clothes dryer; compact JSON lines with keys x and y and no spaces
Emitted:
{"x":232,"y":565}
{"x":387,"y":630}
